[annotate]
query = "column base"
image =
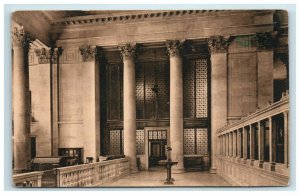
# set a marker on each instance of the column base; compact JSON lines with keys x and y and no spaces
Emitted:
{"x":261,"y":164}
{"x":272,"y":166}
{"x":178,"y":169}
{"x":134,"y":170}
{"x":213,"y":170}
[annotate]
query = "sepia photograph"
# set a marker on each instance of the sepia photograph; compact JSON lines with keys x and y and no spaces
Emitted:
{"x":150,"y":98}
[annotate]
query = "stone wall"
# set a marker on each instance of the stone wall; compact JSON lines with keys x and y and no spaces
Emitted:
{"x":240,"y":174}
{"x":39,"y":77}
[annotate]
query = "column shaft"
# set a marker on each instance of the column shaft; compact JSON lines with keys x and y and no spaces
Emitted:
{"x":286,"y":139}
{"x":261,"y":139}
{"x":234,"y":144}
{"x":252,"y":142}
{"x":272,"y":140}
{"x":239,"y":143}
{"x":129,"y":111}
{"x":230,"y":144}
{"x":176,"y":110}
{"x":21,"y":110}
{"x":245,"y":143}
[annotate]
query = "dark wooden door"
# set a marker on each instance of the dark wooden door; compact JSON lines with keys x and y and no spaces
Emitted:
{"x":157,"y":152}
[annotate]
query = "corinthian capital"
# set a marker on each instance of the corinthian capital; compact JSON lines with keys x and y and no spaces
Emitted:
{"x":266,"y":40}
{"x":174,"y":47}
{"x":127,"y":50}
{"x":55,"y":53}
{"x":218,"y":44}
{"x":20,"y":38}
{"x":43,"y":55}
{"x":87,"y":52}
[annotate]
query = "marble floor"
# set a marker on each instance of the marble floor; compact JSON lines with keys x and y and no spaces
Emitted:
{"x":156,"y":178}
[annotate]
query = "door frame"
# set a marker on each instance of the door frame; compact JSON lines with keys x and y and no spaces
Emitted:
{"x":146,"y":131}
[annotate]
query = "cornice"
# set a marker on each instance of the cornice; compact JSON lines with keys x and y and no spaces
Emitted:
{"x":141,"y":15}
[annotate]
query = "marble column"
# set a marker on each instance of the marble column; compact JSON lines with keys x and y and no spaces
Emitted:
{"x":252,"y":143}
{"x":21,"y":100}
{"x":261,"y":142}
{"x":221,"y":144}
{"x":239,"y":141}
{"x":272,"y":144}
{"x":128,"y":55}
{"x":245,"y":146}
{"x":91,"y":98}
{"x":234,"y":144}
{"x":176,"y":103}
{"x":230,"y":143}
{"x":224,"y":145}
{"x":54,"y":64}
{"x":218,"y":50}
{"x":286,"y":138}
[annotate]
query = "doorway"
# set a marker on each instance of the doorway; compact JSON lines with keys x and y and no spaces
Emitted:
{"x":157,"y":152}
{"x":156,"y":141}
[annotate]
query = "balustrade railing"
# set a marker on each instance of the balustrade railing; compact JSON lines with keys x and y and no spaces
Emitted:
{"x":92,"y":174}
{"x":31,"y":179}
{"x":259,"y":140}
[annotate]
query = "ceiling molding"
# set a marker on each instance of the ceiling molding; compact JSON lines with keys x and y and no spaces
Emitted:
{"x":137,"y":15}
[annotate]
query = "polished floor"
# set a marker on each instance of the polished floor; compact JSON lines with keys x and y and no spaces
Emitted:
{"x":156,"y":178}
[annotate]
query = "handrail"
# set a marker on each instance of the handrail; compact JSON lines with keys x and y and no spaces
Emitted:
{"x":271,"y":110}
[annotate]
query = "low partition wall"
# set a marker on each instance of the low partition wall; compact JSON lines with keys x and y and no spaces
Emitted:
{"x":93,"y":174}
{"x":239,"y":173}
{"x":31,"y":179}
{"x":255,"y":150}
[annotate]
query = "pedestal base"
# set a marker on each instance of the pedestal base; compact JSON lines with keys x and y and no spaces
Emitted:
{"x":213,"y":170}
{"x":134,"y":170}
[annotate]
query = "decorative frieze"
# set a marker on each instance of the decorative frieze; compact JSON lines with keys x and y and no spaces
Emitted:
{"x":128,"y":50}
{"x":218,"y":44}
{"x":174,"y":47}
{"x":20,"y":38}
{"x":133,"y":16}
{"x":265,"y":40}
{"x":88,"y":53}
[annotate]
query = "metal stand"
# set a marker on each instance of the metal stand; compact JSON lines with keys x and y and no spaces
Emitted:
{"x":169,"y":179}
{"x":168,"y":163}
